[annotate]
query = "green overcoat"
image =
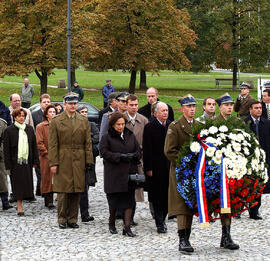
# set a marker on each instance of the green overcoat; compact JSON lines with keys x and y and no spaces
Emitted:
{"x":179,"y":132}
{"x":70,"y":149}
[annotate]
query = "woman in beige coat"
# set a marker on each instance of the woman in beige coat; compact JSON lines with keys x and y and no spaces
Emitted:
{"x":42,"y":135}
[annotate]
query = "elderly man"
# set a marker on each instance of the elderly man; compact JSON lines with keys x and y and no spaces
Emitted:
{"x":178,"y":133}
{"x":261,"y":128}
{"x":15,"y":102}
{"x":37,"y":116}
{"x":243,"y":101}
{"x":156,"y":165}
{"x":225,"y":103}
{"x":152,"y":97}
{"x":209,"y":108}
{"x":136,"y":123}
{"x":70,"y":155}
{"x":106,"y":90}
{"x":27,"y":92}
{"x":110,"y":108}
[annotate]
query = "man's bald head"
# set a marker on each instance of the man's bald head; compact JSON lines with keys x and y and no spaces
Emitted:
{"x":15,"y":100}
{"x":152,"y":95}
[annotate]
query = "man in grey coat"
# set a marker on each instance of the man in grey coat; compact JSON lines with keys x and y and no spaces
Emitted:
{"x":27,"y":92}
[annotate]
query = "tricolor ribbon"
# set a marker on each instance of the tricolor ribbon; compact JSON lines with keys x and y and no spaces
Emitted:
{"x":200,"y":188}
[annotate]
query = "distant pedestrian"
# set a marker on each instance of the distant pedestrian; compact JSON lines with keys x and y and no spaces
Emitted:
{"x":27,"y":92}
{"x":106,"y":90}
{"x":20,"y":155}
{"x":77,"y":89}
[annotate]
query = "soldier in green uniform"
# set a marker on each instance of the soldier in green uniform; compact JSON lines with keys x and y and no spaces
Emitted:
{"x":243,"y":101}
{"x":225,"y":103}
{"x":178,"y":133}
{"x":70,"y":153}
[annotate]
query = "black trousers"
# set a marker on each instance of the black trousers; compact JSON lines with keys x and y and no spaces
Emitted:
{"x":161,"y":211}
{"x":84,"y":204}
{"x":38,"y":174}
{"x":4,"y":198}
{"x":255,"y":210}
{"x":26,"y":104}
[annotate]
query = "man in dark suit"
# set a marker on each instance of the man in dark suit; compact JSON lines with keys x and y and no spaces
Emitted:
{"x":156,"y":165}
{"x":37,"y":118}
{"x":266,"y":104}
{"x":152,"y":97}
{"x":261,"y":127}
{"x":110,"y":108}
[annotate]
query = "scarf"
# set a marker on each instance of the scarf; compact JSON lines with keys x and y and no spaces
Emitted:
{"x":23,"y":150}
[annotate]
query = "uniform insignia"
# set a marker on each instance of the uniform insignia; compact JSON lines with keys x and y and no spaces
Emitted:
{"x":169,"y":131}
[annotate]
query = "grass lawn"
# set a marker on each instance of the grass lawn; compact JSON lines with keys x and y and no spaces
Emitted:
{"x":171,"y":86}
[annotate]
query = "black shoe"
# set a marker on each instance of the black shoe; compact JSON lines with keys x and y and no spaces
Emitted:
{"x":256,"y":217}
{"x":38,"y":193}
{"x":127,"y":231}
{"x":133,"y":223}
{"x":226,"y":240}
{"x":20,"y":213}
{"x":171,"y":217}
{"x":184,"y":244}
{"x":161,"y":230}
{"x":165,"y":226}
{"x":32,"y":199}
{"x":63,"y":225}
{"x":51,"y":206}
{"x":73,"y":225}
{"x":12,"y":200}
{"x":87,"y":219}
{"x":112,"y":229}
{"x":6,"y":207}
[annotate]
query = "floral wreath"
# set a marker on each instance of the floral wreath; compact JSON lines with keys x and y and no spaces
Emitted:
{"x":221,"y":170}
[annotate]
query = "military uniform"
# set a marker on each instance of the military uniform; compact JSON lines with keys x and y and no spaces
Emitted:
{"x":70,"y":150}
{"x":242,"y":105}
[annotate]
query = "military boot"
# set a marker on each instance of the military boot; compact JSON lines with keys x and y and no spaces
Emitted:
{"x":226,"y":240}
{"x":184,"y":244}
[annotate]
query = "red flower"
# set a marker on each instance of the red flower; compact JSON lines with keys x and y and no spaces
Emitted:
{"x":232,"y":191}
{"x":250,"y":199}
{"x":231,"y":182}
{"x":244,"y":193}
{"x":235,"y":200}
{"x":217,"y":210}
{"x":239,"y":183}
{"x":255,"y":183}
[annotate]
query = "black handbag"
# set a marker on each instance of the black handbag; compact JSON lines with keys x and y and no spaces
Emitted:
{"x":90,"y":176}
{"x":136,"y":179}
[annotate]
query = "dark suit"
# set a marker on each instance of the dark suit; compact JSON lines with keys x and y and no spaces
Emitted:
{"x":37,"y":118}
{"x":154,"y":159}
{"x":264,"y":111}
{"x":264,"y":140}
{"x":146,"y":112}
{"x":101,"y":112}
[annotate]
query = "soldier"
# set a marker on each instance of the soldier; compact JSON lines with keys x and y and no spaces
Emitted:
{"x":178,"y":133}
{"x":225,"y":103}
{"x":209,"y":107}
{"x":70,"y":154}
{"x":243,"y":101}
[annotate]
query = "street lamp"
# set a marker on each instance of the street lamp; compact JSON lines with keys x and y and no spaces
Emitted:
{"x":68,"y":45}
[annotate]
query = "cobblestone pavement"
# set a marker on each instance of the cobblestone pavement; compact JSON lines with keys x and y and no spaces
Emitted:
{"x":36,"y":236}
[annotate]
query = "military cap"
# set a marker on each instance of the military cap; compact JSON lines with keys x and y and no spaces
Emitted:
{"x":71,"y":97}
{"x":266,"y":85}
{"x":245,"y":85}
{"x":122,"y":96}
{"x":187,"y":100}
{"x":225,"y":98}
{"x":112,"y":96}
{"x":75,"y":82}
{"x":108,"y":80}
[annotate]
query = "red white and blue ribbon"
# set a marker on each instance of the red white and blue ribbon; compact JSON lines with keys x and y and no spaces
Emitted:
{"x":200,"y":188}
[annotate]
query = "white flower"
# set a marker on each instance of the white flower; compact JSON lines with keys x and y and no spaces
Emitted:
{"x":230,"y":174}
{"x":255,"y":164}
{"x":210,"y":151}
{"x":257,"y":153}
{"x":239,"y":175}
{"x":240,"y":137}
{"x":222,"y":136}
{"x":243,"y":171}
{"x":246,"y":135}
{"x":218,"y":154}
{"x":232,"y":155}
{"x":262,"y":167}
{"x":236,"y":146}
{"x":217,"y":160}
{"x":246,"y":151}
{"x":223,"y":128}
{"x":232,"y":136}
{"x":263,"y":154}
{"x":256,"y":141}
{"x":249,"y":171}
{"x":204,"y":132}
{"x":218,"y":142}
{"x":195,"y":147}
{"x":211,"y":140}
{"x":213,"y":130}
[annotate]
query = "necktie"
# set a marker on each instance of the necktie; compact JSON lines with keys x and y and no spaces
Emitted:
{"x":257,"y":128}
{"x":132,"y":121}
{"x":164,"y":123}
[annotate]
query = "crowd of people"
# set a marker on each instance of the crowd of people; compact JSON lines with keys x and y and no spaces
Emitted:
{"x":62,"y":145}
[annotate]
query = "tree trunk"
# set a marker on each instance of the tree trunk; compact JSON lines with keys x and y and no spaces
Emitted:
{"x":143,"y":80}
{"x":132,"y":82}
{"x":43,"y":78}
{"x":72,"y":76}
{"x":235,"y":46}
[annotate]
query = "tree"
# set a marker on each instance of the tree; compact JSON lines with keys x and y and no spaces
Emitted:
{"x":231,"y":33}
{"x":33,"y":36}
{"x":140,"y":35}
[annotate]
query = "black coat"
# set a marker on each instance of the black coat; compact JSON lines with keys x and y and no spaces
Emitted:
{"x":21,"y":175}
{"x":146,"y":112}
{"x":264,"y":140}
{"x":116,"y":171}
{"x":37,"y":117}
{"x":5,"y":113}
{"x":264,"y":111}
{"x":154,"y":159}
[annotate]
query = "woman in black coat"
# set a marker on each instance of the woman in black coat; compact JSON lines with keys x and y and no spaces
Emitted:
{"x":120,"y":151}
{"x":20,"y":156}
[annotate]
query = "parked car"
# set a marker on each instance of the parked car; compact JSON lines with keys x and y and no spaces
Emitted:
{"x":92,"y":110}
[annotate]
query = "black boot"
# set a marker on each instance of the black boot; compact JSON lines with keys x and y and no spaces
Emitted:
{"x":127,"y":231}
{"x":226,"y":240}
{"x":184,"y":244}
